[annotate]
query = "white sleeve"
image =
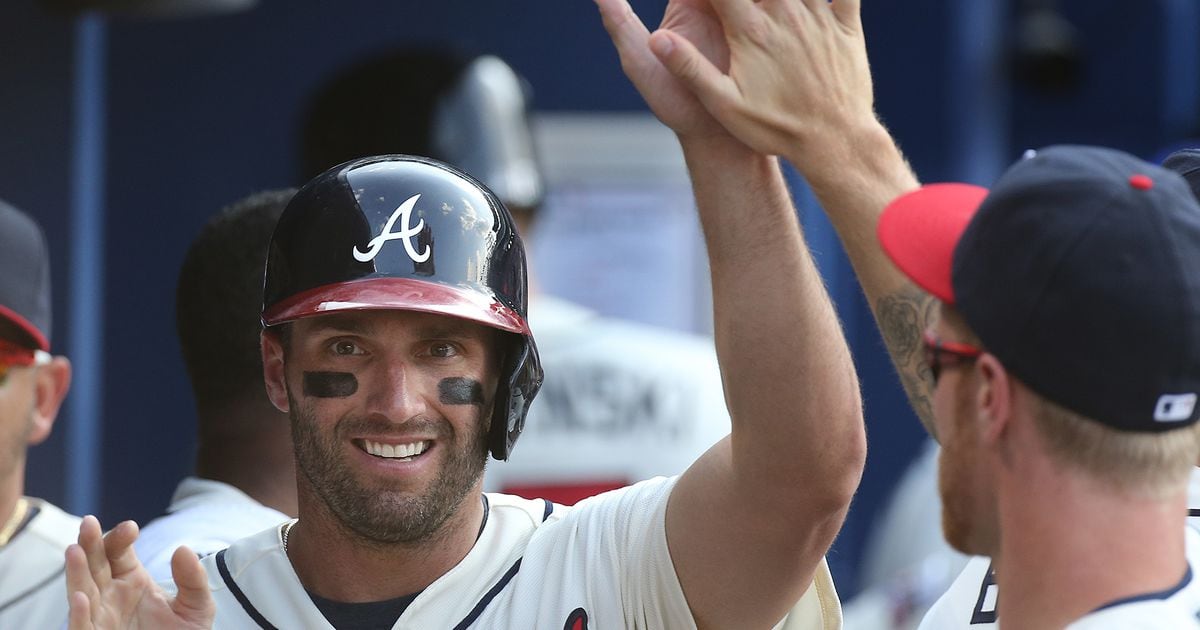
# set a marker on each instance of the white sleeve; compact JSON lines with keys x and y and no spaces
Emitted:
{"x":614,"y":547}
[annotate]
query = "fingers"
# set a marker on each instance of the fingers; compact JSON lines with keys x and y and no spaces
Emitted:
{"x":623,"y":25}
{"x":81,"y":588}
{"x":80,"y":617}
{"x":193,"y":599}
{"x":714,"y":88}
{"x":628,"y":35}
{"x":92,"y":542}
{"x":118,"y":548}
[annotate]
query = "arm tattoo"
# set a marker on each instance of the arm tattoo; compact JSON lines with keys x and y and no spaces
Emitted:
{"x":903,"y":317}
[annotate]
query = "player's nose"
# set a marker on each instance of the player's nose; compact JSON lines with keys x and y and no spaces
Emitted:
{"x":396,"y":393}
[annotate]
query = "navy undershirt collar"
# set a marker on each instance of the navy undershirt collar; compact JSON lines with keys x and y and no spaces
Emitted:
{"x":1166,"y":594}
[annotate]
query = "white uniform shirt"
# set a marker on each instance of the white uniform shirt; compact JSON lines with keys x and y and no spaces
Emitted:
{"x":621,"y":402}
{"x":33,"y":588}
{"x":600,"y":564}
{"x":206,"y":516}
{"x":1147,"y":615}
{"x":970,"y":603}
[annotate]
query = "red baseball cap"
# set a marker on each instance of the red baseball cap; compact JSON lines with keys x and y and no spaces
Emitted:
{"x":919,"y":230}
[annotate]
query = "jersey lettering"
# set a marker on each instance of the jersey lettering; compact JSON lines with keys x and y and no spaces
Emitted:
{"x":985,"y":607}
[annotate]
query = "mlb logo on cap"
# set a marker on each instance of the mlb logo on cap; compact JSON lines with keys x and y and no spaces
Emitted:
{"x":1175,"y":407}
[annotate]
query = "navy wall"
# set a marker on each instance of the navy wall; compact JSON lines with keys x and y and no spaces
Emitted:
{"x":203,"y":111}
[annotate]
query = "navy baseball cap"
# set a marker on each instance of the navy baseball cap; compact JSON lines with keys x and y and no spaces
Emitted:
{"x":1079,"y":271}
{"x":24,"y":278}
{"x":1186,"y":162}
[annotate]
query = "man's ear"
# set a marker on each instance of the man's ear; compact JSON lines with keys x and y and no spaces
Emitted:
{"x":994,"y":399}
{"x":51,"y":382}
{"x":273,"y":375}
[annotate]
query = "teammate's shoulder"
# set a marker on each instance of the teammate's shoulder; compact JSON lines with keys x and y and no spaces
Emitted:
{"x":50,"y":524}
{"x":969,"y":602}
{"x":1154,"y":614}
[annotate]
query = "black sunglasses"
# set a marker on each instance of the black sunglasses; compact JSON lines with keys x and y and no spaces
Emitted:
{"x":941,"y":354}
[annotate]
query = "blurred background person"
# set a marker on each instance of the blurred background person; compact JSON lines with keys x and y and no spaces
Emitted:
{"x":245,"y":472}
{"x":34,"y":534}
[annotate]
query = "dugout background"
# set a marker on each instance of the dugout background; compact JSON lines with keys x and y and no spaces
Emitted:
{"x":122,"y":135}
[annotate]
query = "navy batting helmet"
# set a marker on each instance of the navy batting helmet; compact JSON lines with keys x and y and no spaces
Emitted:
{"x":408,"y":233}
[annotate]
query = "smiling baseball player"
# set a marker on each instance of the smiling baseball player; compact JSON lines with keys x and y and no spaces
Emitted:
{"x":396,"y":338}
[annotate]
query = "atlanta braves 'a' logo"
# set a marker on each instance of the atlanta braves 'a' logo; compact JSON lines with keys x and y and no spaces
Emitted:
{"x":404,"y":213}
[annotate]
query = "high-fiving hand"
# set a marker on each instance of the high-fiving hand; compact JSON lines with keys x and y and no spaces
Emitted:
{"x":108,"y":587}
{"x":668,"y":97}
{"x":790,"y":73}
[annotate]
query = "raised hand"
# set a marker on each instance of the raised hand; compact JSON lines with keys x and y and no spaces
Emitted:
{"x":798,"y":85}
{"x":108,"y":587}
{"x":797,"y":74}
{"x":667,"y":96}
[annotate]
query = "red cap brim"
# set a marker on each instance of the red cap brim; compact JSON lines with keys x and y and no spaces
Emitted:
{"x":919,"y":230}
{"x":403,"y":294}
{"x":35,"y":335}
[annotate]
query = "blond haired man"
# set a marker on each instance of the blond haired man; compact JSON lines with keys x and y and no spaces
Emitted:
{"x":1068,"y":290}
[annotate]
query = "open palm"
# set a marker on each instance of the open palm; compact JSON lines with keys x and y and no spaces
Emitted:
{"x":109,"y":588}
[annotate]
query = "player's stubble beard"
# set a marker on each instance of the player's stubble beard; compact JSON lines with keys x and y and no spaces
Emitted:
{"x":14,"y":433}
{"x":376,"y":515}
{"x":962,"y":523}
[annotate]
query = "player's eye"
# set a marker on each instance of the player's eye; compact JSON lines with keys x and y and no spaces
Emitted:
{"x":343,"y":347}
{"x":443,"y":350}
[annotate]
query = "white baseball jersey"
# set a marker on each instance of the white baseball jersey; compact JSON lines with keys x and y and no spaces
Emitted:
{"x":206,"y":516}
{"x":970,"y":603}
{"x":600,"y":564}
{"x":33,"y":587}
{"x":1144,"y":615}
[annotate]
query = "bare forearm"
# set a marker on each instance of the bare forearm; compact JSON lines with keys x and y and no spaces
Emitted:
{"x":789,"y":379}
{"x":797,"y":444}
{"x":855,"y":173}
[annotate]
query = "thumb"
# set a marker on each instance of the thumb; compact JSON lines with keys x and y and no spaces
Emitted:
{"x":714,"y":88}
{"x":193,"y":599}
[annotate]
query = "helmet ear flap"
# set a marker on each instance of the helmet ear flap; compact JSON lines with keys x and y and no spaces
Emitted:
{"x":523,"y":378}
